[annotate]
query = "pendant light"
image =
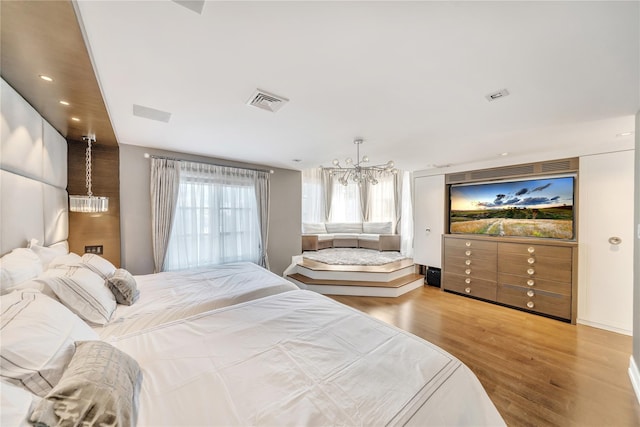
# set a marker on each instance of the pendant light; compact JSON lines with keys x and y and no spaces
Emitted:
{"x":88,"y":203}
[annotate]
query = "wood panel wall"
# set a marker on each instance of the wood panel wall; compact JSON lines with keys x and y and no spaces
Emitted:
{"x":95,"y":229}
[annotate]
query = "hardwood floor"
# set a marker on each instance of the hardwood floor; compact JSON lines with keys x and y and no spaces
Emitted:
{"x":537,"y":371}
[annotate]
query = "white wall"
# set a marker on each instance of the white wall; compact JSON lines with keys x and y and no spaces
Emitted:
{"x":428,"y":220}
{"x":605,"y":277}
{"x":135,"y":210}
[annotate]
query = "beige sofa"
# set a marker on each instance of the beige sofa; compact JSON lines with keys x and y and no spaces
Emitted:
{"x":369,"y":235}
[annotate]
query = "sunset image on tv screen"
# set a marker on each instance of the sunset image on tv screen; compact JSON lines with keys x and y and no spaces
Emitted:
{"x":531,"y":208}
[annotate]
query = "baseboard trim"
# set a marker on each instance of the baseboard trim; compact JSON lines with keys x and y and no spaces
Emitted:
{"x":634,"y":376}
{"x":605,"y":327}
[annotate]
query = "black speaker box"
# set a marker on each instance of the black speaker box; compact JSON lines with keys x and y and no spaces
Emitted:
{"x":433,"y":276}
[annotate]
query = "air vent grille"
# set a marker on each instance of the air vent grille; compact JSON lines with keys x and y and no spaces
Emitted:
{"x":560,"y":166}
{"x":267,"y":101}
{"x":503,"y":172}
{"x":516,"y":171}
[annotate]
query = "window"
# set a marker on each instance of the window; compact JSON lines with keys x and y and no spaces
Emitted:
{"x":216,"y":219}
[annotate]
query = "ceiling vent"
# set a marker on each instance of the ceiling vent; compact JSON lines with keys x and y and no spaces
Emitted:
{"x":266,"y":101}
{"x":497,"y":95}
{"x":151,"y":113}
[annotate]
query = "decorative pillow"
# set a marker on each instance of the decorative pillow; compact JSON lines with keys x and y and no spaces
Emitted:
{"x":99,"y":265}
{"x":16,"y":404}
{"x":344,"y":227}
{"x":124,"y":287}
{"x":378,"y":227}
{"x":46,"y":254}
{"x":82,"y":291}
{"x":100,"y":387}
{"x":37,"y":339}
{"x":313,"y":228}
{"x":17,"y":266}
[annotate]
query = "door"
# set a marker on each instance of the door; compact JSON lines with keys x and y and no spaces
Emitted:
{"x":605,"y":236}
{"x":428,"y":219}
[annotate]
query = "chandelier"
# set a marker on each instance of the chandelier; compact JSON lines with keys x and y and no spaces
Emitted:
{"x":358,"y":173}
{"x":88,"y":203}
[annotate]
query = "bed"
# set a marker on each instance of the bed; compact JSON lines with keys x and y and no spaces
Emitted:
{"x":249,"y":350}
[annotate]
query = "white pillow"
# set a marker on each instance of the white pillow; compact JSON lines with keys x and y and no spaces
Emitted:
{"x":17,"y":266}
{"x":313,"y":228}
{"x":38,"y":336}
{"x":378,"y":227}
{"x":82,"y":291}
{"x":17,"y":404}
{"x":46,"y":254}
{"x":99,"y":265}
{"x":38,"y":285}
{"x":69,"y":259}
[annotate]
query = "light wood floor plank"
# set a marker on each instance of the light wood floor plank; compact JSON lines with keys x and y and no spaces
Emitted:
{"x":537,"y":371}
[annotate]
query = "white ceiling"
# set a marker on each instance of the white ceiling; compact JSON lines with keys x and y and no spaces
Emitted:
{"x":408,"y":77}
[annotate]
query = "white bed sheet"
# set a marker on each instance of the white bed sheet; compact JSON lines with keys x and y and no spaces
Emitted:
{"x":169,"y":296}
{"x":299,"y":358}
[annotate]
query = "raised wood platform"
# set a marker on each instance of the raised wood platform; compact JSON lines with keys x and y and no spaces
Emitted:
{"x":388,"y":280}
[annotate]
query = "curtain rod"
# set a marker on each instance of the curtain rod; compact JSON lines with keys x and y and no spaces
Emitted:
{"x":152,"y":156}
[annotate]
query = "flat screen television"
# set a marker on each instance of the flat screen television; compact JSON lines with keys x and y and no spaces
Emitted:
{"x":539,"y":207}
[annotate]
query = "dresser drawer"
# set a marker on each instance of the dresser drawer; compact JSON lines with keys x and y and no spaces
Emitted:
{"x":484,"y":255}
{"x":555,"y":269}
{"x":479,"y":288}
{"x":471,"y":268}
{"x":470,"y":244}
{"x":525,"y":282}
{"x":538,"y":301}
{"x":558,"y":252}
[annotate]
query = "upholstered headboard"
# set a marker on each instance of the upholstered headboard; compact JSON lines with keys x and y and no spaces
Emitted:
{"x":33,"y":176}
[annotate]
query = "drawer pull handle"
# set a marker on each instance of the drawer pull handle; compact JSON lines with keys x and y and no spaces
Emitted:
{"x":467,"y":280}
{"x":530,"y":304}
{"x":530,"y":271}
{"x":530,"y":293}
{"x":468,"y":262}
{"x":467,"y":253}
{"x":530,"y":282}
{"x":467,"y":271}
{"x":531,"y":260}
{"x":531,"y":249}
{"x":467,"y":290}
{"x":467,"y":244}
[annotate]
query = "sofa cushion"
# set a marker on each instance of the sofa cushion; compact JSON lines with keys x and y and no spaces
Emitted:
{"x":313,"y":228}
{"x":369,"y":237}
{"x":324,"y":237}
{"x":344,"y":227}
{"x":343,"y":236}
{"x":378,"y":227}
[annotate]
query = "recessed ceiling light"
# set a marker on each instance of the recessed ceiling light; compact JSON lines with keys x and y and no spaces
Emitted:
{"x":64,"y":102}
{"x":296,"y":160}
{"x":46,"y":78}
{"x":504,"y":154}
{"x":75,"y":119}
{"x":625,"y":134}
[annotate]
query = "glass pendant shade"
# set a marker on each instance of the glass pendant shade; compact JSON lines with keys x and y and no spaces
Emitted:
{"x":88,"y":203}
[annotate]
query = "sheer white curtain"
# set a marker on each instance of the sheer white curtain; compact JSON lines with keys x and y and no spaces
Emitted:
{"x":313,"y":206}
{"x":345,"y":203}
{"x":406,"y":219}
{"x":382,"y":199}
{"x":218,"y":217}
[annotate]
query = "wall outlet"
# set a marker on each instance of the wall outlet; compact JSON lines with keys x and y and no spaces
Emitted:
{"x":93,"y":250}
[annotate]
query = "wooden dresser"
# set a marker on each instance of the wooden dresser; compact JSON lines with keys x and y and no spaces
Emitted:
{"x":539,"y":276}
